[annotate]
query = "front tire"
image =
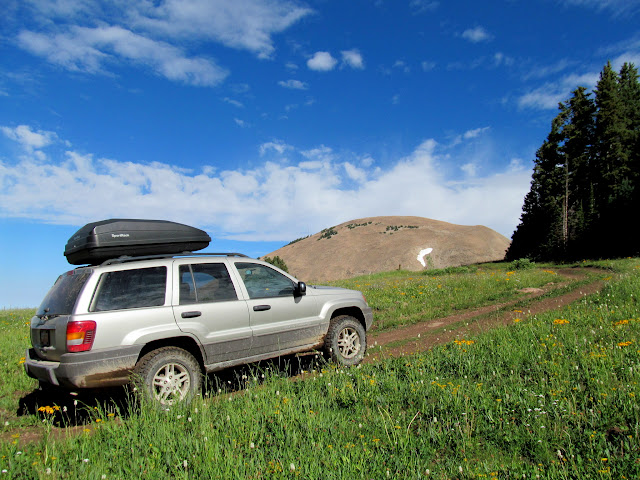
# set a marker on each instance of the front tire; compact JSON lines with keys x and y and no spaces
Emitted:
{"x":346,"y":341}
{"x":168,"y":375}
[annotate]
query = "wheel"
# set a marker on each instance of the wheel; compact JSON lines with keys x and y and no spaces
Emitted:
{"x":346,"y":340}
{"x":168,"y":375}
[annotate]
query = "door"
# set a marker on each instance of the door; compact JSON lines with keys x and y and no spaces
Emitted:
{"x":208,"y":307}
{"x":279,"y":320}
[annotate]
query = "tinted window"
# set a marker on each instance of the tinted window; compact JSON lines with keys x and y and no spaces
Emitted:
{"x":205,"y":282}
{"x":262,"y":281}
{"x":143,"y":287}
{"x":63,"y":295}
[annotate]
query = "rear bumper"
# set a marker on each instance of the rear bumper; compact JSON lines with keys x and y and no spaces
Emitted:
{"x":105,"y":368}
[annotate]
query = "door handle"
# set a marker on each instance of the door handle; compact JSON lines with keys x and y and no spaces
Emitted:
{"x":261,"y":308}
{"x":193,"y":314}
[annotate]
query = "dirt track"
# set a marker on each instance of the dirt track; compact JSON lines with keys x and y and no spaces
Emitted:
{"x":423,"y":336}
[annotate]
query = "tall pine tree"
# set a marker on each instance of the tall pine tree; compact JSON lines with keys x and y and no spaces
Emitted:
{"x":585,"y":188}
{"x":578,"y":136}
{"x":539,"y":231}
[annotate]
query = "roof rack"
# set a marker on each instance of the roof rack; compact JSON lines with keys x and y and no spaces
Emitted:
{"x":129,"y":258}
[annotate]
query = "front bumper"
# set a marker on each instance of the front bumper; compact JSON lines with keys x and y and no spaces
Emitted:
{"x":105,"y":368}
{"x":368,"y":317}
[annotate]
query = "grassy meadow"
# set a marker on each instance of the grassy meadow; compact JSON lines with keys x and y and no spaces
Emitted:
{"x":552,"y":396}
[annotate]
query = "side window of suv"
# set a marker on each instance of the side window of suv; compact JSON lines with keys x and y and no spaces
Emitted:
{"x":263,"y":282}
{"x":205,"y":282}
{"x":138,"y":288}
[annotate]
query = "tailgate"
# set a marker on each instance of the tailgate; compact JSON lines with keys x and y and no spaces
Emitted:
{"x":49,"y":336}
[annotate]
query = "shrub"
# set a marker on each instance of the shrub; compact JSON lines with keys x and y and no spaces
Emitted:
{"x":522,"y":264}
{"x":277,"y":262}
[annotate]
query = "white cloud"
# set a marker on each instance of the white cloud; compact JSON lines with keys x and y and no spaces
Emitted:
{"x":616,"y":7}
{"x":476,"y":35}
{"x":422,"y":6}
{"x":87,"y":49}
{"x":468,"y":135}
{"x":86,"y":35}
{"x":27,"y":138}
{"x":241,"y":24}
{"x":355,"y":173}
{"x":322,"y":62}
{"x":550,"y":94}
{"x":476,"y":132}
{"x":277,"y":146}
{"x":256,"y":204}
{"x":352,"y":58}
{"x":293,"y":84}
{"x":471,"y":169}
{"x":233,"y":102}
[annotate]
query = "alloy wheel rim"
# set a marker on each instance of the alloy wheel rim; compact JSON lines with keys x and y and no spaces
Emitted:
{"x":349,"y":342}
{"x":171,"y":383}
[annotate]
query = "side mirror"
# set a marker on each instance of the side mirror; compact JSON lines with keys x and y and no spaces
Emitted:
{"x":300,"y":289}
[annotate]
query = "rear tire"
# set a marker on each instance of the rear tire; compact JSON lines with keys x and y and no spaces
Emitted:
{"x":168,"y":375}
{"x":346,"y":341}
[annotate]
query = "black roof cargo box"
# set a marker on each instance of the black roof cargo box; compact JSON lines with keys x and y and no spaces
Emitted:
{"x":99,"y":241}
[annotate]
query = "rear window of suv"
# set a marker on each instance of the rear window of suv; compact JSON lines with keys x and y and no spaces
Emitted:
{"x":137,"y":288}
{"x":62,"y":297}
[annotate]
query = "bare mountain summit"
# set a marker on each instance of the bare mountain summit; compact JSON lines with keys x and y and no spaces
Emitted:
{"x":378,"y":244}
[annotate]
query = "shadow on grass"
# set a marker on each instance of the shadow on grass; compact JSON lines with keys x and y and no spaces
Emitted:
{"x":66,"y":408}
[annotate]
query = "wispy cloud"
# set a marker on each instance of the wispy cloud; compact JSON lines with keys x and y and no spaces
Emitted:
{"x":328,"y":186}
{"x":476,"y":35}
{"x":561,"y":81}
{"x":402,"y":66}
{"x":615,"y":7}
{"x":90,"y":36}
{"x":276,"y":146}
{"x":423,"y":6}
{"x":427,"y":66}
{"x":550,"y":94}
{"x":233,"y":102}
{"x":87,"y":49}
{"x":293,"y":84}
{"x":352,"y":58}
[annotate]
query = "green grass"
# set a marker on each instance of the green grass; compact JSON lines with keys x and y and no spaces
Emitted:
{"x":403,"y":298}
{"x":14,"y":341}
{"x":555,"y":396}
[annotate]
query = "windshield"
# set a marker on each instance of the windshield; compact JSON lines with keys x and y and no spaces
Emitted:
{"x":63,"y":295}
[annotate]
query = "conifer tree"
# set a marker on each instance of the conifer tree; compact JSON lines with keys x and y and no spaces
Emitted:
{"x":578,"y":136}
{"x":539,"y":229}
{"x":612,"y":192}
{"x":630,"y":100}
{"x":585,"y":188}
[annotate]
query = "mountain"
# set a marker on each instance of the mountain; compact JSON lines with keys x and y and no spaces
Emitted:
{"x":377,"y":244}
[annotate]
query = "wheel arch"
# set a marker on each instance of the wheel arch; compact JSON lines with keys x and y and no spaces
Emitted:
{"x":185,"y":343}
{"x":354,"y":312}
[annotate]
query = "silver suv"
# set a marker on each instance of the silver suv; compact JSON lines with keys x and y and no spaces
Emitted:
{"x":165,"y":320}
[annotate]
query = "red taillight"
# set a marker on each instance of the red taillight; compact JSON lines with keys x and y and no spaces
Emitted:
{"x":80,"y":335}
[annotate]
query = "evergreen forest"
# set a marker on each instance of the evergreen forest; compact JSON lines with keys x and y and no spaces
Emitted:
{"x":585,"y":196}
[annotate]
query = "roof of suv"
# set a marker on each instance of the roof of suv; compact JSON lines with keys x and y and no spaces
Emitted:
{"x":126,"y":258}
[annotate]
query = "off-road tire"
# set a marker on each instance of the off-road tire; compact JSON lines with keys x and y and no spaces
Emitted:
{"x":346,"y":341}
{"x":168,"y":375}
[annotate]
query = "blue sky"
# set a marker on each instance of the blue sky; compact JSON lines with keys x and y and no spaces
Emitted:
{"x":262,"y":121}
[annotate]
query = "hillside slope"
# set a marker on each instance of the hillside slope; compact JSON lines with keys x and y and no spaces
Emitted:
{"x":377,"y":244}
